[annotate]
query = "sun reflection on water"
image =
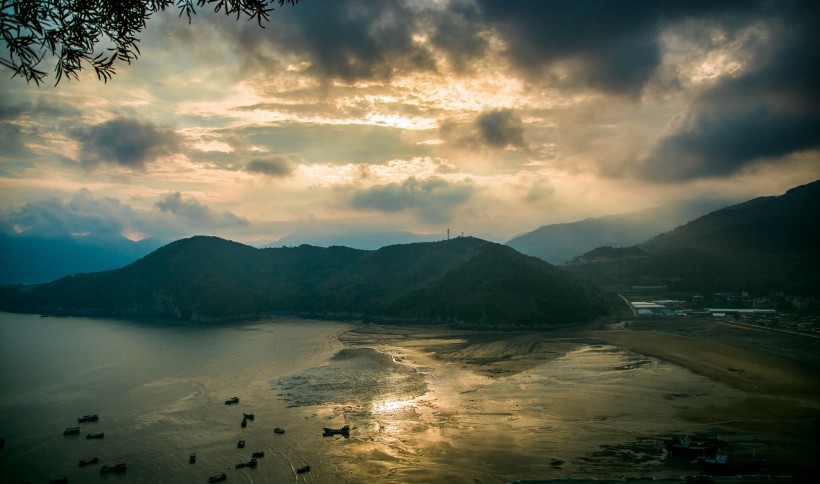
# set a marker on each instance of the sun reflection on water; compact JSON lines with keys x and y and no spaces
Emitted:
{"x":391,"y":406}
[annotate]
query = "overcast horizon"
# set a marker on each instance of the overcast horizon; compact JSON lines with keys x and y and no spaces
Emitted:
{"x":486,"y":118}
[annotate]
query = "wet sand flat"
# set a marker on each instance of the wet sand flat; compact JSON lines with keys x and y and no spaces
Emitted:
{"x":494,"y":407}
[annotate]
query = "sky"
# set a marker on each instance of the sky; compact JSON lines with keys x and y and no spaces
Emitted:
{"x":489,"y":118}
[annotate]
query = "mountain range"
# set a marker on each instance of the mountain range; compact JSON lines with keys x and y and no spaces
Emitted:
{"x":559,"y":243}
{"x":462,"y":280}
{"x":764,"y":244}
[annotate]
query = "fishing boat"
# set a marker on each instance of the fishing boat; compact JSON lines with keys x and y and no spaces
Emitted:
{"x":232,"y":400}
{"x":117,"y":469}
{"x":72,"y":431}
{"x":95,"y":436}
{"x":219,"y":478}
{"x":88,"y":462}
{"x":279,"y":430}
{"x":244,"y":423}
{"x":192,"y":458}
{"x":688,"y":446}
{"x":240,"y":444}
{"x":345,"y":431}
{"x":303,"y":469}
{"x":248,"y":416}
{"x":88,"y":418}
{"x":725,"y":465}
{"x":251,"y":463}
{"x":257,"y":455}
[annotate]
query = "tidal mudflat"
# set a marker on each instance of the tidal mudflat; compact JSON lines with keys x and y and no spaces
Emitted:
{"x":422,"y":404}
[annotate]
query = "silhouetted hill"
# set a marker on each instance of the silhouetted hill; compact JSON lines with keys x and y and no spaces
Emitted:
{"x":460,"y":280}
{"x":362,"y":240}
{"x":765,"y":244}
{"x":30,"y":260}
{"x":558,"y":243}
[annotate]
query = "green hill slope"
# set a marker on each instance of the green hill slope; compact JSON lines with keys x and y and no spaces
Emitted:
{"x":204,"y":278}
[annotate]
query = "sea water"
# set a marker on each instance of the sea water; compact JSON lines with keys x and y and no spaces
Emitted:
{"x":160,"y":393}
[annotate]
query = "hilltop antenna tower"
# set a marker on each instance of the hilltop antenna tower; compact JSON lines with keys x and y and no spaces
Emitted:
{"x":448,"y":234}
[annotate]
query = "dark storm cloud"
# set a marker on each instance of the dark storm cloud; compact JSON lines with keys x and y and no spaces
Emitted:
{"x":769,"y":111}
{"x":501,"y":128}
{"x":433,"y":199}
{"x":348,"y":40}
{"x":498,"y":129}
{"x":126,"y":142}
{"x":274,"y":166}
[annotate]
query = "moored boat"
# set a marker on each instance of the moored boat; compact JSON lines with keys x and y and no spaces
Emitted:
{"x":95,"y":436}
{"x":218,"y":478}
{"x":240,"y":444}
{"x":279,"y":430}
{"x":192,"y":458}
{"x":88,"y":418}
{"x":117,"y":469}
{"x":72,"y":431}
{"x":257,"y":455}
{"x":88,"y":462}
{"x":688,"y":446}
{"x":248,"y":416}
{"x":725,"y":465}
{"x":251,"y":463}
{"x":345,"y":431}
{"x":232,"y":401}
{"x":244,"y":423}
{"x":303,"y":469}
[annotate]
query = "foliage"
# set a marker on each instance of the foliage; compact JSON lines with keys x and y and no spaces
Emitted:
{"x":464,"y":280}
{"x":73,"y":31}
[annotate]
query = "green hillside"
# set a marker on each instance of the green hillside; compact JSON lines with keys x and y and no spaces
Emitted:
{"x":206,"y":278}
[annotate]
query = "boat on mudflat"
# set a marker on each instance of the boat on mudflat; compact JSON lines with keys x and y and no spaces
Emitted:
{"x":218,"y":478}
{"x":345,"y":431}
{"x":725,"y":465}
{"x":257,"y":455}
{"x":88,"y":462}
{"x":251,"y":463}
{"x":240,"y":444}
{"x":95,"y":436}
{"x":88,"y":418}
{"x":72,"y":431}
{"x":279,"y":430}
{"x":192,"y":458}
{"x":248,"y":416}
{"x":303,"y":469}
{"x":117,"y":469}
{"x":232,"y":400}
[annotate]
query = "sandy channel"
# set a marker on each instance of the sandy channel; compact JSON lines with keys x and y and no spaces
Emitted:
{"x":462,"y":406}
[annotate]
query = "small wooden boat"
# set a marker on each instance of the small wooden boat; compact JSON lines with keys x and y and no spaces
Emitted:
{"x":279,"y":430}
{"x":244,"y":423}
{"x":95,"y":436}
{"x":117,"y":469}
{"x":345,"y":431}
{"x":219,"y":478}
{"x":88,"y":418}
{"x":88,"y":462}
{"x":257,"y":455}
{"x":232,"y":401}
{"x":251,"y":463}
{"x":192,"y":458}
{"x":240,"y":444}
{"x":72,"y":431}
{"x":248,"y":416}
{"x":303,"y":469}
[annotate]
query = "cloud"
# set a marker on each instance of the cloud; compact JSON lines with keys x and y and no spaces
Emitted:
{"x":497,"y":129}
{"x":126,"y":142}
{"x":433,"y":200}
{"x":274,"y":166}
{"x":769,"y":111}
{"x":196,"y":212}
{"x":83,"y":214}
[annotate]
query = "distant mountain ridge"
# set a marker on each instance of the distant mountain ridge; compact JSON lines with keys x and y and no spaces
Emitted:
{"x":362,"y":240}
{"x":206,"y":278}
{"x":558,"y":243}
{"x":765,"y":244}
{"x":28,"y":259}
